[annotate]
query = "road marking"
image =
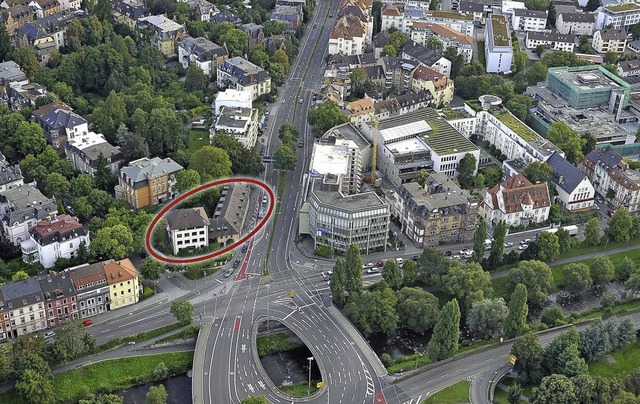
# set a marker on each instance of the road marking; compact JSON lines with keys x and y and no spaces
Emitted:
{"x":379,"y":398}
{"x":261,"y":384}
{"x":244,"y":348}
{"x":370,"y":387}
{"x":251,"y":388}
{"x":236,"y":326}
{"x":287,"y":316}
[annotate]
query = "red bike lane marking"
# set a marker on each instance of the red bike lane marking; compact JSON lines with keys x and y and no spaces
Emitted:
{"x":236,"y":326}
{"x":378,"y":398}
{"x":242,"y":274}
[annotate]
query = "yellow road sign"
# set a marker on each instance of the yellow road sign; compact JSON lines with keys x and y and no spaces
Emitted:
{"x":320,"y":384}
{"x":292,"y":293}
{"x":512,"y":359}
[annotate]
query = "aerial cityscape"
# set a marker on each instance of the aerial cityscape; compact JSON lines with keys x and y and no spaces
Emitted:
{"x":319,"y":201}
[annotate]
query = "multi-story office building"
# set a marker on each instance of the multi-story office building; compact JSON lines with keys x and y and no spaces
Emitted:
{"x":438,"y":212}
{"x":622,"y":15}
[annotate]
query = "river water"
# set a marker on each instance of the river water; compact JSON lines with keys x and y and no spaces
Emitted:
{"x":178,"y":389}
{"x":290,"y":367}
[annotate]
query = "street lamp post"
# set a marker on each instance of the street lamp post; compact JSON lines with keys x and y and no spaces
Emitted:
{"x":309,"y":388}
{"x":268,"y":290}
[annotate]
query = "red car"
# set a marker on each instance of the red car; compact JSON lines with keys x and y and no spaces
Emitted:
{"x":87,"y":322}
{"x":610,"y":212}
{"x":448,"y":254}
{"x":380,"y":263}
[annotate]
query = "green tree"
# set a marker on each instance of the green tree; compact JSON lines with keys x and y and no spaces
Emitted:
{"x":520,"y":59}
{"x":553,"y":316}
{"x":103,"y":176}
{"x":479,"y":238}
{"x":113,"y":242}
{"x":254,"y":400}
{"x":567,"y":140}
{"x":6,"y":45}
{"x":538,"y":172}
{"x":288,"y":134}
{"x":19,"y":276}
{"x":285,"y":158}
{"x":548,"y":246}
{"x":432,"y":266}
{"x":592,"y":5}
{"x":157,"y":395}
{"x":564,"y":240}
{"x":516,"y":320}
{"x":389,"y":50}
{"x":27,"y":60}
{"x":56,"y":185}
{"x":353,"y":270}
{"x":182,"y":310}
{"x":397,"y":39}
{"x":444,"y":340}
{"x":632,"y":382}
{"x":466,"y":170}
{"x":536,"y":276}
{"x":161,"y":372}
{"x":497,"y":245}
{"x":35,"y":387}
{"x":72,"y":341}
{"x":610,"y":57}
{"x":243,"y":160}
{"x":554,"y":389}
{"x":409,"y":272}
{"x":619,"y":226}
{"x":536,"y":73}
{"x":102,"y":399}
{"x":562,"y":355}
{"x":280,"y":56}
{"x":151,"y":269}
{"x":541,"y":5}
{"x":486,"y":318}
{"x":417,"y":309}
{"x":325,"y":117}
{"x":374,"y":310}
{"x":514,"y":392}
{"x":592,"y":232}
{"x":160,"y":238}
{"x":528,"y":353}
{"x":434,"y":43}
{"x":195,"y":79}
{"x":358,"y":79}
{"x":109,"y":115}
{"x":602,"y":270}
{"x":392,"y":274}
{"x":625,"y":268}
{"x":30,"y":138}
{"x":336,"y":284}
{"x":469,"y":283}
{"x":211,"y":163}
{"x":187,"y":180}
{"x":576,"y":277}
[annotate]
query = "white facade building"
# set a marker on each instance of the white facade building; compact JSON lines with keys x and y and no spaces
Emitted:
{"x":622,"y":15}
{"x":574,"y":189}
{"x":21,"y":207}
{"x":241,"y":123}
{"x":187,"y":228}
{"x":233,"y":99}
{"x":498,"y":50}
{"x":555,"y":41}
{"x":529,"y":20}
{"x":576,"y":23}
{"x":516,"y":201}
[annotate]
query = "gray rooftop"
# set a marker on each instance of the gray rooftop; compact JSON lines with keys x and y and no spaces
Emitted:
{"x":578,"y":17}
{"x":26,"y":203}
{"x":55,"y":285}
{"x":348,"y":132}
{"x":231,"y":211}
{"x":234,"y":117}
{"x":8,"y":173}
{"x":10,"y":71}
{"x":145,"y":168}
{"x":520,"y":12}
{"x":439,"y":192}
{"x":22,"y":293}
{"x":348,"y":203}
{"x":551,"y":36}
{"x":565,"y":175}
{"x":181,"y":219}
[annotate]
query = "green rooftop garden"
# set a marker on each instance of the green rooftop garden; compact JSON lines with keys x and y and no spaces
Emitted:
{"x":447,"y":14}
{"x":618,"y":8}
{"x":518,"y":127}
{"x":500,"y":30}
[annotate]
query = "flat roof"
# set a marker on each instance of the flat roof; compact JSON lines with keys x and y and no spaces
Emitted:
{"x":518,"y":127}
{"x":499,"y":30}
{"x":406,"y":146}
{"x":404,"y":130}
{"x":348,"y":203}
{"x":588,"y":77}
{"x":618,"y":8}
{"x":329,"y":159}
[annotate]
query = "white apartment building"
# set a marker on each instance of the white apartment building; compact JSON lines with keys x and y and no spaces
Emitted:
{"x":421,"y":32}
{"x":622,"y":15}
{"x":84,"y":151}
{"x":232,"y":99}
{"x":555,"y":41}
{"x":575,"y":191}
{"x":50,"y":240}
{"x":187,"y":228}
{"x":21,"y":207}
{"x":516,"y":201}
{"x":403,"y":17}
{"x":348,"y":36}
{"x":241,"y":123}
{"x":22,"y":305}
{"x":609,"y":40}
{"x":576,"y":23}
{"x":497,"y":49}
{"x":529,"y":20}
{"x":240,"y":74}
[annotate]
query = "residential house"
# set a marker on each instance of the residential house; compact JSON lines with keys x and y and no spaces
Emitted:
{"x":576,"y":23}
{"x":46,"y":34}
{"x":438,"y":212}
{"x":231,"y":98}
{"x":497,"y":49}
{"x":202,"y":53}
{"x":629,"y":68}
{"x":61,"y":237}
{"x":165,"y":33}
{"x":609,"y":40}
{"x":360,"y":111}
{"x":417,"y":53}
{"x":403,"y":17}
{"x":552,"y":40}
{"x":43,"y":8}
{"x":290,"y":16}
{"x":59,"y":298}
{"x":23,"y":308}
{"x":255,"y":33}
{"x":122,"y":278}
{"x":10,"y":71}
{"x":241,"y":123}
{"x":128,"y":12}
{"x":90,"y":282}
{"x":227,"y":223}
{"x":575,"y":191}
{"x":21,"y":207}
{"x":10,"y":175}
{"x":612,"y":179}
{"x":59,"y":123}
{"x":227,"y":16}
{"x":439,"y":85}
{"x":188,"y":228}
{"x":621,"y":15}
{"x":240,"y":74}
{"x":24,"y":94}
{"x":422,"y":31}
{"x":84,"y":152}
{"x":146,"y":182}
{"x":402,"y":104}
{"x":348,"y":36}
{"x":15,"y":17}
{"x":69,"y":5}
{"x":475,"y":9}
{"x":529,"y":20}
{"x":516,"y":201}
{"x":397,"y":73}
{"x":202,"y":10}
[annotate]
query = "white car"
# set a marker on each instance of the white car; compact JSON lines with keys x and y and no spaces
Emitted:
{"x":465,"y":251}
{"x":399,"y":261}
{"x":373,"y":270}
{"x":525,"y":241}
{"x":523,"y":246}
{"x":49,"y":334}
{"x":507,"y":245}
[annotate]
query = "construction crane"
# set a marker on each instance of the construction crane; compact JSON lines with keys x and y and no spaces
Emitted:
{"x":375,"y":151}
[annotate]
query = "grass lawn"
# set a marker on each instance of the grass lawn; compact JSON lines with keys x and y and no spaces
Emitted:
{"x":626,"y":359}
{"x":274,"y":343}
{"x":143,"y":336}
{"x":148,"y":292}
{"x":197,"y":139}
{"x":299,"y":389}
{"x":110,"y":376}
{"x":458,"y":393}
{"x":189,"y":332}
{"x":500,"y":396}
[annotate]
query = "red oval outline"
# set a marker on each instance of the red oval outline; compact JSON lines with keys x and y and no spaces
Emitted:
{"x":191,"y":260}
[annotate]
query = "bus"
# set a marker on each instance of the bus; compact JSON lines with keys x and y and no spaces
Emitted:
{"x":572,"y":229}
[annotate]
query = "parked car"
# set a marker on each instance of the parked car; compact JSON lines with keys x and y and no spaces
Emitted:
{"x":415,"y":258}
{"x":399,"y":261}
{"x":368,"y":265}
{"x":87,"y":322}
{"x":610,"y":212}
{"x":380,"y":263}
{"x":300,"y":145}
{"x":373,"y":270}
{"x":525,"y":241}
{"x":448,"y":253}
{"x":523,"y":247}
{"x":49,"y":334}
{"x":465,"y":251}
{"x":507,"y":245}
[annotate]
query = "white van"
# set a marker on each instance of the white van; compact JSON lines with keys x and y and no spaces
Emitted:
{"x":399,"y":261}
{"x":49,"y":334}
